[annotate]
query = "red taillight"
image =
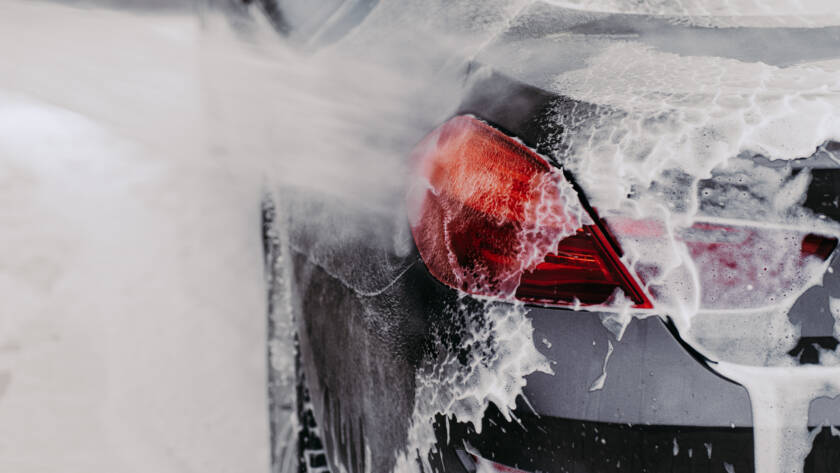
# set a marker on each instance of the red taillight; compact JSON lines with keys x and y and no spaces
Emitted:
{"x":738,"y":265}
{"x":483,"y":465}
{"x":491,"y":217}
{"x":584,"y":267}
{"x":818,"y":245}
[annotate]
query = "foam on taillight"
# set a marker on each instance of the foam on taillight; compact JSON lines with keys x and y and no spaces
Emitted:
{"x":738,"y":265}
{"x":491,"y":217}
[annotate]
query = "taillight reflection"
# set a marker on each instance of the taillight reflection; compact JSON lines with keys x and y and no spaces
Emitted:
{"x":486,"y":466}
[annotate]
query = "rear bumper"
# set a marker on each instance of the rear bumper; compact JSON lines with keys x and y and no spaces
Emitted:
{"x":649,"y":378}
{"x":659,"y":409}
{"x":551,"y":444}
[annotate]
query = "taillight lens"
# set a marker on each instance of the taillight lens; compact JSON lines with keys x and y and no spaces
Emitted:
{"x":585,"y":268}
{"x":490,"y":217}
{"x":738,"y":266}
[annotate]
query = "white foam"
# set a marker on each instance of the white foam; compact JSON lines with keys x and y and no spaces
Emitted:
{"x":665,"y":122}
{"x":598,"y":384}
{"x":705,"y":8}
{"x":500,"y":354}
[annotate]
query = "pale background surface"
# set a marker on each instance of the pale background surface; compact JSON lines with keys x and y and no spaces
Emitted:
{"x":132,"y":320}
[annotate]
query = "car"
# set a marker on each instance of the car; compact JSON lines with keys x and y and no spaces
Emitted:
{"x":616,"y":253}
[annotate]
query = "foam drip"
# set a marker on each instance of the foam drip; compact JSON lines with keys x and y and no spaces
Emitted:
{"x":780,"y":400}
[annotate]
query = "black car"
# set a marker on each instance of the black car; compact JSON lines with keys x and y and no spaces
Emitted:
{"x":601,"y":257}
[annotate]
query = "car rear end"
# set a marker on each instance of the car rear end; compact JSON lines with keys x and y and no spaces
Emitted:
{"x":630,"y":278}
{"x":634,"y":385}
